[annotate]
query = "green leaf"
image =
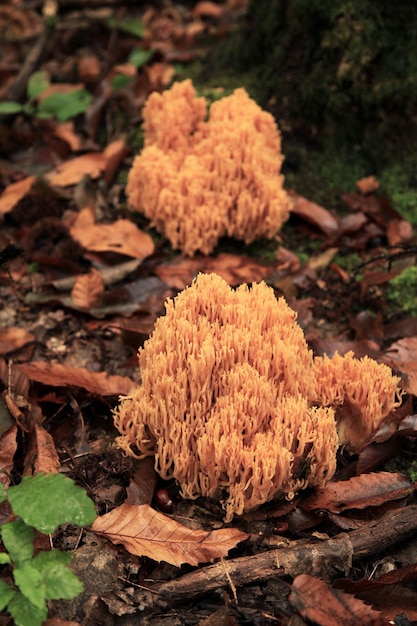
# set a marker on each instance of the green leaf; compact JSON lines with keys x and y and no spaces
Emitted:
{"x":25,"y":613}
{"x":139,"y":57}
{"x":6,"y":594}
{"x":47,"y":500}
{"x":37,"y":83}
{"x":4,"y":558}
{"x":120,"y":80}
{"x":64,"y":106}
{"x":18,"y":540}
{"x":31,"y":583}
{"x":134,"y":27}
{"x":10,"y":107}
{"x":60,"y":581}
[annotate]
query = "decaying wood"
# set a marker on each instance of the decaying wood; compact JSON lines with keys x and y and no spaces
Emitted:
{"x":321,"y":559}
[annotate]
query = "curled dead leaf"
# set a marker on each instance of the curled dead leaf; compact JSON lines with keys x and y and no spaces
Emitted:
{"x":360,"y":492}
{"x":146,"y":532}
{"x":315,"y":214}
{"x":15,"y":192}
{"x":123,"y":236}
{"x":318,"y":602}
{"x":88,"y":289}
{"x":71,"y":172}
{"x":58,"y":375}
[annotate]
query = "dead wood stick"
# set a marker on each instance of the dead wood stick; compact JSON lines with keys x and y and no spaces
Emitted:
{"x":321,"y":559}
{"x":17,"y":89}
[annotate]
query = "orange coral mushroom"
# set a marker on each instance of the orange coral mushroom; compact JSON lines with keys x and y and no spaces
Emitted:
{"x":201,"y":180}
{"x":232,"y":403}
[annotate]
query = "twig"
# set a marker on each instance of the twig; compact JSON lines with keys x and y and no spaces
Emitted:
{"x":17,"y":89}
{"x":322,"y":559}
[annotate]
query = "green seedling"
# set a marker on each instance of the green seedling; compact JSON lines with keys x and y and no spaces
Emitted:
{"x":61,"y":106}
{"x":42,"y":502}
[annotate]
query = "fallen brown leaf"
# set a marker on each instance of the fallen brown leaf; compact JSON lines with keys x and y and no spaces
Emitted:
{"x":8,"y":447}
{"x":360,"y":492}
{"x":87,"y":289}
{"x":66,"y":132}
{"x":115,"y":152}
{"x":317,"y":215}
{"x":146,"y":532}
{"x":208,"y":9}
{"x":12,"y":338}
{"x":58,"y":375}
{"x":41,"y":454}
{"x":318,"y":602}
{"x":59,"y":88}
{"x":14,"y":193}
{"x":123,"y":236}
{"x":233,"y":268}
{"x":367,"y":184}
{"x":71,"y":172}
{"x":402,"y":357}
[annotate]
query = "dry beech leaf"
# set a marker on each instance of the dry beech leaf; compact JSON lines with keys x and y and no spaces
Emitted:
{"x":233,"y":268}
{"x":402,"y":357}
{"x":369,"y":184}
{"x":146,"y":532}
{"x":14,"y":193}
{"x":88,"y":289}
{"x":325,"y":606}
{"x":208,"y":9}
{"x":360,"y":492}
{"x":115,"y":152}
{"x":71,"y":172}
{"x":123,"y":237}
{"x":315,"y":214}
{"x":58,"y":375}
{"x":40,"y":454}
{"x":65,"y":131}
{"x":12,"y":338}
{"x":8,"y":447}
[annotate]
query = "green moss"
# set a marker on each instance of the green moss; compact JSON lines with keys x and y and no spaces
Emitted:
{"x":348,"y":262}
{"x":399,"y":181}
{"x":412,"y":471}
{"x":402,"y":291}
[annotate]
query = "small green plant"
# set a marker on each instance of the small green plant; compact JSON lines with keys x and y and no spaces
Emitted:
{"x":402,"y":291}
{"x":412,"y":471}
{"x":40,"y":502}
{"x":62,"y":106}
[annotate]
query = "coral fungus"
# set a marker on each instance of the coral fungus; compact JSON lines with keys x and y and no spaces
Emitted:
{"x":233,"y":405}
{"x":201,"y":180}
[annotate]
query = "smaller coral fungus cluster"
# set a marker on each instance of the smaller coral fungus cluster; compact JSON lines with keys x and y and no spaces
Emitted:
{"x":200,"y":180}
{"x":233,"y":405}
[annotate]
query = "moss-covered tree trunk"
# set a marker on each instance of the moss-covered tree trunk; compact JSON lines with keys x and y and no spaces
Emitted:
{"x":348,"y":64}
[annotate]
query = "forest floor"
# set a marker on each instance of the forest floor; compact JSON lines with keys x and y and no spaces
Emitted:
{"x":83,"y":279}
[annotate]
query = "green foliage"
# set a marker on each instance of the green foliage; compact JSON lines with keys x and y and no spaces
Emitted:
{"x":345,"y":66}
{"x":412,"y":471}
{"x":62,"y":106}
{"x":399,"y":181}
{"x":37,"y":83}
{"x":139,"y":57}
{"x":40,"y":502}
{"x":402,"y":291}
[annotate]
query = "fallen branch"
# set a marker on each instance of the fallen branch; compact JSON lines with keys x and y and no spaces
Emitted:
{"x":321,"y":559}
{"x":17,"y":89}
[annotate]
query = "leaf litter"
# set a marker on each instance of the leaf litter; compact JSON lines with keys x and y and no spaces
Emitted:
{"x":84,"y":295}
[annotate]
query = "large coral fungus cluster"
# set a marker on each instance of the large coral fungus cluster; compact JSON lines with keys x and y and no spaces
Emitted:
{"x":233,"y":405}
{"x":200,"y":180}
